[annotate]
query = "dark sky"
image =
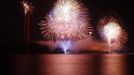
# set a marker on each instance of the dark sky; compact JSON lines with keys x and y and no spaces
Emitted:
{"x":11,"y":16}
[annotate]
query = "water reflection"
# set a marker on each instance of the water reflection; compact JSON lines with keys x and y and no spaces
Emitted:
{"x":78,"y":64}
{"x":114,"y":64}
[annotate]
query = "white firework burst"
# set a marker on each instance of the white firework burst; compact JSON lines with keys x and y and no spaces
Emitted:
{"x":67,"y":20}
{"x":111,"y":31}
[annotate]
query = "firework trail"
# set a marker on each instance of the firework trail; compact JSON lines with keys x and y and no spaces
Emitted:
{"x":27,"y":11}
{"x":67,"y":21}
{"x":111,"y":31}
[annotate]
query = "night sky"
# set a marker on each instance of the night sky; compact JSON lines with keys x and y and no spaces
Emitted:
{"x":12,"y":17}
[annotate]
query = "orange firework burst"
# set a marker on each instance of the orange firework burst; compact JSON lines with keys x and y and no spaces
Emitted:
{"x":67,"y":20}
{"x":110,"y":30}
{"x":27,"y":6}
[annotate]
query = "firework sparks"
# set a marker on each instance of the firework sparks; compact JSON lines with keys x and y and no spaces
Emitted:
{"x":65,"y":45}
{"x":110,"y":30}
{"x":27,"y":6}
{"x":67,"y":20}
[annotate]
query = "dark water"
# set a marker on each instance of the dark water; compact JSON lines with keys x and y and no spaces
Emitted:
{"x":67,"y":64}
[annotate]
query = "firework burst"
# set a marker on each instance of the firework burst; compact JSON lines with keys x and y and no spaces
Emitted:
{"x":68,"y":20}
{"x":27,"y":6}
{"x":111,"y":31}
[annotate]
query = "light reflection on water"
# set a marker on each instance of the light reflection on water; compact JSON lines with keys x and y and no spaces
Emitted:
{"x":77,"y":64}
{"x":114,"y":65}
